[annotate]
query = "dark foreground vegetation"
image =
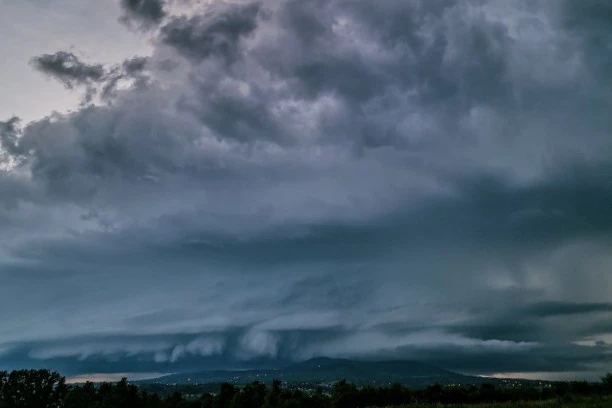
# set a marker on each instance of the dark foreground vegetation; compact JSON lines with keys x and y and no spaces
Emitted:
{"x":45,"y":389}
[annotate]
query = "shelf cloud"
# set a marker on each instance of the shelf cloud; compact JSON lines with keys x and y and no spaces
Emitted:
{"x":280,"y":180}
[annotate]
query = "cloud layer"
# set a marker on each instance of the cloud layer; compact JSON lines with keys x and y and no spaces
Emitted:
{"x":284,"y":179}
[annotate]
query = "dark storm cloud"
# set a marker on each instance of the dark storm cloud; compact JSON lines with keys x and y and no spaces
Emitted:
{"x":68,"y":69}
{"x":512,"y":325}
{"x":133,"y":70}
{"x":570,"y":358}
{"x":217,"y":32}
{"x":135,"y":64}
{"x":562,"y":308}
{"x":9,"y":135}
{"x":94,"y":78}
{"x":144,"y":14}
{"x":284,"y":180}
{"x":215,"y":351}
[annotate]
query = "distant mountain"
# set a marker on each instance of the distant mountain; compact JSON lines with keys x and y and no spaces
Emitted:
{"x":326,"y":370}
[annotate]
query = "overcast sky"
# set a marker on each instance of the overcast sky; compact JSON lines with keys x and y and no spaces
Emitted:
{"x":214,"y":184}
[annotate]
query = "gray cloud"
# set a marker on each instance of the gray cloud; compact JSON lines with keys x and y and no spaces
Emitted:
{"x":143,"y":14}
{"x":96,"y":79}
{"x":284,"y":180}
{"x":9,"y":135}
{"x":67,"y":68}
{"x":217,"y":32}
{"x":135,"y":65}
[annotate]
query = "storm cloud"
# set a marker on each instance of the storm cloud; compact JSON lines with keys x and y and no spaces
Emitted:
{"x":68,"y":69}
{"x":282,"y":180}
{"x":142,"y":14}
{"x":215,"y":32}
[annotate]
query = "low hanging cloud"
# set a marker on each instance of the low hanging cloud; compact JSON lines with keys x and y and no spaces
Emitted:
{"x":282,"y":180}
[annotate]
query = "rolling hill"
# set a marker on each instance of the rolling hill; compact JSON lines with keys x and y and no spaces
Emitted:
{"x":326,"y":370}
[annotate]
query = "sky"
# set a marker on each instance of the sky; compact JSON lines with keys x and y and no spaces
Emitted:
{"x":189,"y":185}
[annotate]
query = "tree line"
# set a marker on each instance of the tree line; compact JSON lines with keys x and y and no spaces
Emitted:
{"x":46,"y":389}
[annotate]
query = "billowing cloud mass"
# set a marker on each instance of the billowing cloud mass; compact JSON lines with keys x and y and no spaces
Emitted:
{"x":288,"y":179}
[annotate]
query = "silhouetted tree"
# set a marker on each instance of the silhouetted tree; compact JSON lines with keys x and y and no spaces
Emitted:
{"x":344,"y":395}
{"x":606,"y":382}
{"x":45,"y":389}
{"x":32,"y":389}
{"x":225,"y":396}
